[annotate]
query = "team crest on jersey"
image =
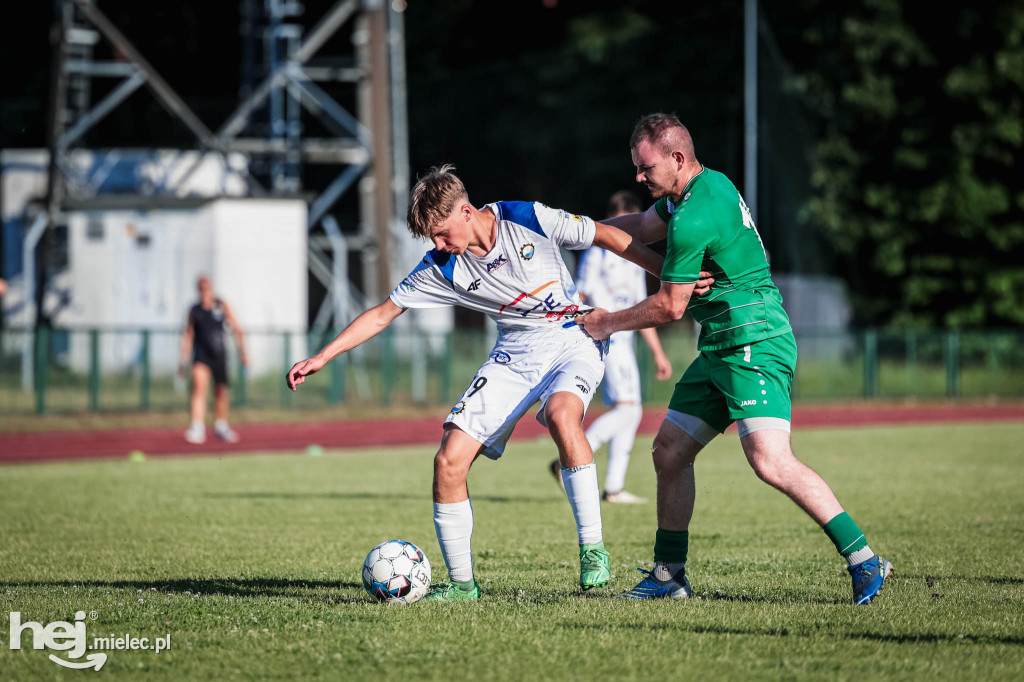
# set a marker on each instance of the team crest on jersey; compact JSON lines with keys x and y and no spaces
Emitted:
{"x":527,"y":251}
{"x":501,"y":357}
{"x":459,"y":407}
{"x":496,"y":263}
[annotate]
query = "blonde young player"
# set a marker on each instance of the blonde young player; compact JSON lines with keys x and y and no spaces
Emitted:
{"x":504,"y":261}
{"x":609,"y":282}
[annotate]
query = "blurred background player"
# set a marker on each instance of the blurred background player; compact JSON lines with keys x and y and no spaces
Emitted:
{"x":505,"y":261}
{"x":203,"y":341}
{"x":609,"y":282}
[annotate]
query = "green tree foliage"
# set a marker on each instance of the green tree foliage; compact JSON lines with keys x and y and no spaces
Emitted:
{"x":917,"y":177}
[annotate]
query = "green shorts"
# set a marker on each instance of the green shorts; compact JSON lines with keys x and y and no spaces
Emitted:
{"x":722,"y":386}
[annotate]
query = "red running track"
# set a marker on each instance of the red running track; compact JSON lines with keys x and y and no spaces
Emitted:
{"x":295,"y":437}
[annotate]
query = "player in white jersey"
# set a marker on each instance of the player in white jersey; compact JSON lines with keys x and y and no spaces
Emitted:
{"x":504,"y":261}
{"x":609,"y":282}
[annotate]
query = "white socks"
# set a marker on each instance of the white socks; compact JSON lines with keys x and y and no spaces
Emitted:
{"x":585,"y":500}
{"x":454,"y":526}
{"x":618,"y":429}
{"x":860,"y":556}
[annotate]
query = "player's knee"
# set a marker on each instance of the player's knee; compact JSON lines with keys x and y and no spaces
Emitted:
{"x":631,"y":415}
{"x":669,"y":455}
{"x":563,"y":417}
{"x":444,"y":465}
{"x":773,"y":469}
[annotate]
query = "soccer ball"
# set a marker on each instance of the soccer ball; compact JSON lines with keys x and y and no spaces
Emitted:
{"x":396,"y":571}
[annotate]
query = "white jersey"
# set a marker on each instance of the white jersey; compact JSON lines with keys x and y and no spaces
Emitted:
{"x":521,"y":284}
{"x":610,"y":282}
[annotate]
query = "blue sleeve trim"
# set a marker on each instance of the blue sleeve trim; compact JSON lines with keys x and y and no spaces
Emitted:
{"x":445,"y":262}
{"x":522,"y":213}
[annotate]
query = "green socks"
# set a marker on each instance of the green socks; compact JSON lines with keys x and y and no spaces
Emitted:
{"x":670,"y":546}
{"x":845,"y":534}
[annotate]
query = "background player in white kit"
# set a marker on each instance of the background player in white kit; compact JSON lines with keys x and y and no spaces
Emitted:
{"x":503,"y":260}
{"x":609,"y":282}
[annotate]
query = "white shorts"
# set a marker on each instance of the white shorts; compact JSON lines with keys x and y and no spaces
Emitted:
{"x":525,"y":367}
{"x":621,"y":374}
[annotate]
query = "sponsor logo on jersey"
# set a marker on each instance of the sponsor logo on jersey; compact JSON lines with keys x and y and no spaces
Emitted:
{"x":474,"y":285}
{"x":583,"y":385}
{"x":577,"y":218}
{"x":459,"y":407}
{"x":746,"y":403}
{"x":527,"y":251}
{"x":496,"y":263}
{"x":501,"y":357}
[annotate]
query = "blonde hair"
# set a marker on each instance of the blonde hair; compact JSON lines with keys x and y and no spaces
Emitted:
{"x":433,"y":199}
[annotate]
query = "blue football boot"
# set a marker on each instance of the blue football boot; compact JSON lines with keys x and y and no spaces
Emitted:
{"x":869,"y":578}
{"x":676,"y":587}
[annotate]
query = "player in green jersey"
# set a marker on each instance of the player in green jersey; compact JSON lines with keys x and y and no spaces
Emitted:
{"x":744,"y":370}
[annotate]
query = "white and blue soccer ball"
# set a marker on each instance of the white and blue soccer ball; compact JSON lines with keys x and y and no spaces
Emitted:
{"x":396,"y":571}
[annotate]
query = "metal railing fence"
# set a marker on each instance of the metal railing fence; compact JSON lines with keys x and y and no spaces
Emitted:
{"x":62,"y":371}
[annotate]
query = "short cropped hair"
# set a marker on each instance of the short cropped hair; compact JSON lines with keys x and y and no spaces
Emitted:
{"x":433,"y":199}
{"x":623,"y":201}
{"x":652,"y":128}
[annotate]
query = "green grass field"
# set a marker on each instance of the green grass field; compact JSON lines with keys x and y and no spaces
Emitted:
{"x":251,"y":564}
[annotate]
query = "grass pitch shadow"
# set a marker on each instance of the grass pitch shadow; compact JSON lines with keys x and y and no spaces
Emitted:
{"x":906,"y":638}
{"x":236,"y":587}
{"x":932,"y":578}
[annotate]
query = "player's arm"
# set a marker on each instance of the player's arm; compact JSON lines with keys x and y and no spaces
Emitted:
{"x":667,"y":305}
{"x":236,"y":329}
{"x":365,"y":327}
{"x":661,"y":362}
{"x":629,"y":247}
{"x":185,"y":351}
{"x":648,"y":227}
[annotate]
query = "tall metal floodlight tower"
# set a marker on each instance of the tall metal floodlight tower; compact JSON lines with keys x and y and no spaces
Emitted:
{"x":293,"y":116}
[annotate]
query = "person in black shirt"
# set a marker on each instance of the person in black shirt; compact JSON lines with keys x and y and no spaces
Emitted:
{"x":203,"y":340}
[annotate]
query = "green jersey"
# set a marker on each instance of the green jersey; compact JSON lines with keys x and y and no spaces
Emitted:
{"x":711,"y":229}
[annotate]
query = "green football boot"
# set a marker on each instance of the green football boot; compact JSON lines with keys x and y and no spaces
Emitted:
{"x":454,"y":591}
{"x":594,"y":571}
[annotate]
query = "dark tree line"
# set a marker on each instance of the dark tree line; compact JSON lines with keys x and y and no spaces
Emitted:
{"x":902,"y":172}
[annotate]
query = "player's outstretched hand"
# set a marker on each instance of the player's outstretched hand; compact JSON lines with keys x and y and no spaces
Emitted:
{"x":300,"y":370}
{"x":592,"y":324}
{"x":704,"y":283}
